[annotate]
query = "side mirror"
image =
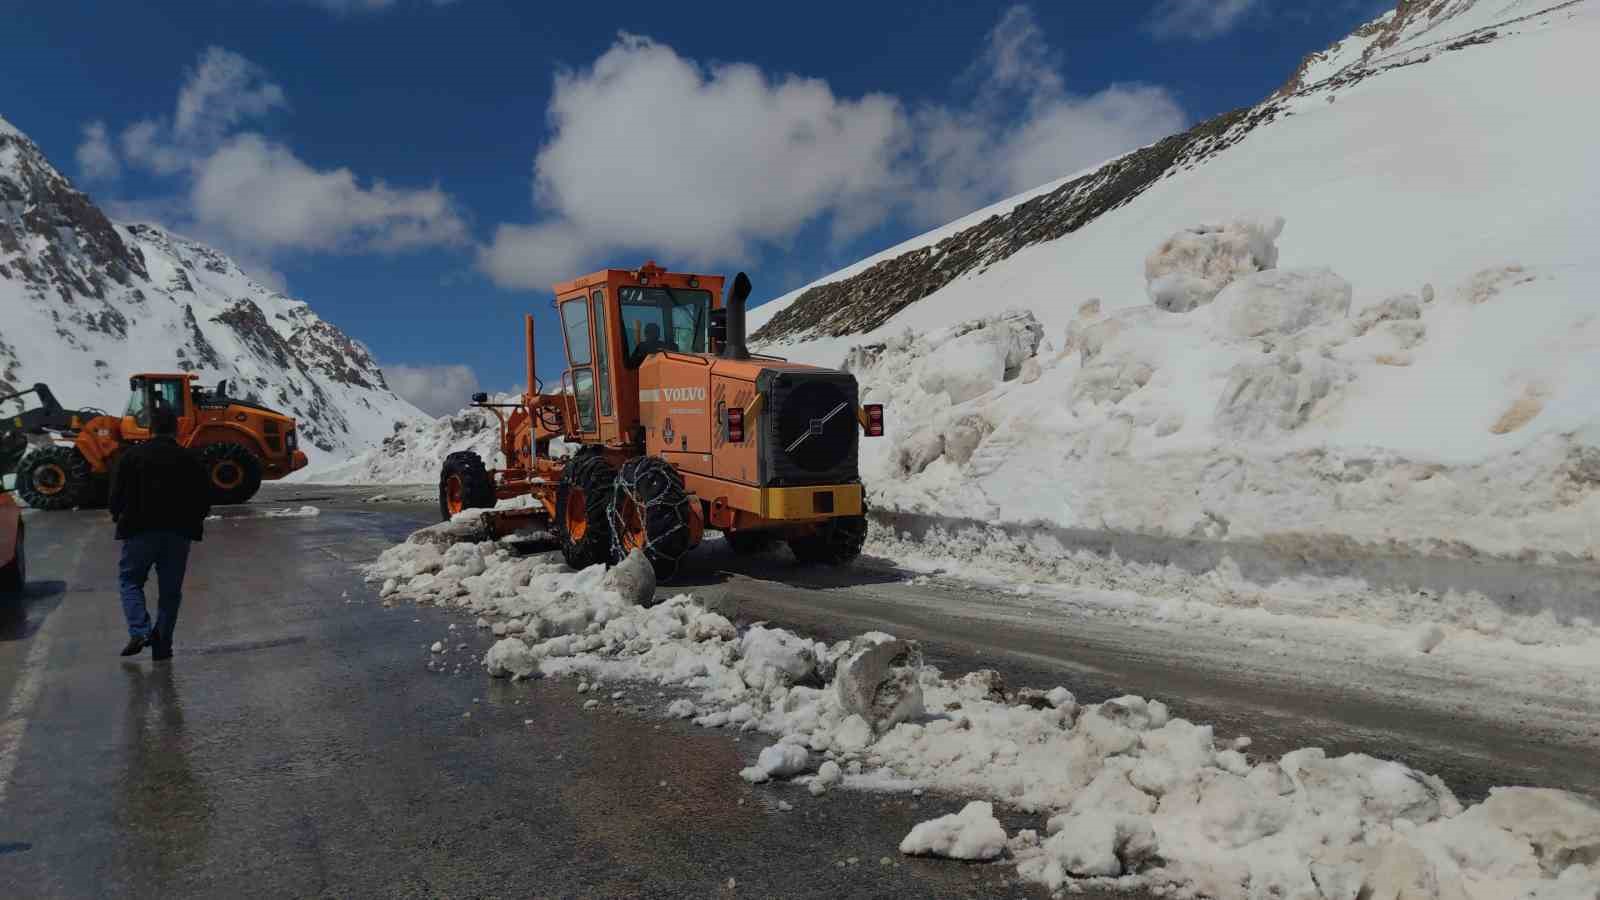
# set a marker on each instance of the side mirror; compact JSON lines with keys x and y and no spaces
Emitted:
{"x":480,"y":397}
{"x":222,"y":388}
{"x":719,"y":326}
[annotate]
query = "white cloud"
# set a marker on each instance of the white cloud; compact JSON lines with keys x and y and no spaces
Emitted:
{"x":1198,"y":19}
{"x":262,"y":194}
{"x":653,"y":153}
{"x":436,"y":390}
{"x":256,"y":193}
{"x":96,"y":159}
{"x":224,"y":89}
{"x":974,"y":154}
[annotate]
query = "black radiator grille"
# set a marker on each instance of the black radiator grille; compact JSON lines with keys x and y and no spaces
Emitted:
{"x":809,"y":433}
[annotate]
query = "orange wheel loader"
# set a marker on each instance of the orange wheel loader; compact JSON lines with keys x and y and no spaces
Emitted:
{"x":67,"y":455}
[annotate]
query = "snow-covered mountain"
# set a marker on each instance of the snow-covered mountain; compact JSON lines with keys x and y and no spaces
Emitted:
{"x":1362,"y":310}
{"x":85,"y":302}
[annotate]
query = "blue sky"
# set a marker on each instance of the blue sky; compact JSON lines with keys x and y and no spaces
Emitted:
{"x":420,"y":170}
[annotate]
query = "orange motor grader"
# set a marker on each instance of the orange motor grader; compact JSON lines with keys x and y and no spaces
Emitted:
{"x":677,"y":427}
{"x":67,"y":455}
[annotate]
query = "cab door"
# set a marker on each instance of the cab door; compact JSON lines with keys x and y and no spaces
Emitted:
{"x":576,"y":330}
{"x":149,"y":394}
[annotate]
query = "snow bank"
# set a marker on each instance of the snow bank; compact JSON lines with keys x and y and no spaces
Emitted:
{"x":415,"y":449}
{"x":1466,"y":418}
{"x":1124,"y":792}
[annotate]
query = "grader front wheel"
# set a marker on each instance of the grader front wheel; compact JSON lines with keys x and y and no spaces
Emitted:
{"x":464,"y":483}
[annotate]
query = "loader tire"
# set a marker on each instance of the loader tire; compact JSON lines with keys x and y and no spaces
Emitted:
{"x":583,"y":499}
{"x":749,"y":543}
{"x":232,"y":472}
{"x":56,"y":478}
{"x":464,"y":483}
{"x":835,"y":542}
{"x":650,"y":512}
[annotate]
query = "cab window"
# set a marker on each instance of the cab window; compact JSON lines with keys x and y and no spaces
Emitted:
{"x":164,"y":394}
{"x":656,"y":319}
{"x":602,"y":352}
{"x":575,"y":322}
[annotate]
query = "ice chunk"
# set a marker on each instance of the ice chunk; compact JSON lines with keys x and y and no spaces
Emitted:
{"x":634,"y":578}
{"x":878,"y":681}
{"x":973,"y":833}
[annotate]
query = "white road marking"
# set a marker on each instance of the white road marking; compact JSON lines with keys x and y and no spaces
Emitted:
{"x":14,"y":727}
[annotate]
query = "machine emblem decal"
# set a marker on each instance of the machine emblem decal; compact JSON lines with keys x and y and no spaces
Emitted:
{"x":666,"y":431}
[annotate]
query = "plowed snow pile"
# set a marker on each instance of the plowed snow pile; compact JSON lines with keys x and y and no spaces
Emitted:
{"x":1125,"y":794}
{"x":1258,"y":403}
{"x":414,"y":451}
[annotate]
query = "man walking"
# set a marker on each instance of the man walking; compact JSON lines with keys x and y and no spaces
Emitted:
{"x":160,"y":497}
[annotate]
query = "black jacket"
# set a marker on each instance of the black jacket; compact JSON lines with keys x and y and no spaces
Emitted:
{"x":159,"y":486}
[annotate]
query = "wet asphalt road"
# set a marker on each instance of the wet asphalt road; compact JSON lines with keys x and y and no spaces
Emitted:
{"x":297,"y":746}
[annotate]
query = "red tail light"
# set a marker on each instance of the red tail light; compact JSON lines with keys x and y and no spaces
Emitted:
{"x":874,"y":413}
{"x":735,"y":425}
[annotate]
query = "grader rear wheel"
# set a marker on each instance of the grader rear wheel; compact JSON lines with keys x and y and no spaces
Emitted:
{"x":650,"y":512}
{"x":581,"y":506}
{"x":835,"y":542}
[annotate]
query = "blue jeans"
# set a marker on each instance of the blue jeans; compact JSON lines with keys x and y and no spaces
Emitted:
{"x":169,"y":554}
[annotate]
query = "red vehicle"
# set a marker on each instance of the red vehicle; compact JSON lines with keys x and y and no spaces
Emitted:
{"x":13,"y":570}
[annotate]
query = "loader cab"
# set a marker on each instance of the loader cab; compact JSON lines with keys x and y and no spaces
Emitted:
{"x":153,"y":391}
{"x":611,"y":322}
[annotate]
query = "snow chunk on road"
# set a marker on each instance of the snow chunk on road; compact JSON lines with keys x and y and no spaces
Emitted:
{"x":781,"y":760}
{"x":973,"y":833}
{"x":773,"y":656}
{"x":303,"y":512}
{"x":828,"y":775}
{"x":878,"y":681}
{"x":511,"y":658}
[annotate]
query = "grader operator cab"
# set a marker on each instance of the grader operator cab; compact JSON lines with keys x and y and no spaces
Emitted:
{"x":678,"y":428}
{"x":67,"y":455}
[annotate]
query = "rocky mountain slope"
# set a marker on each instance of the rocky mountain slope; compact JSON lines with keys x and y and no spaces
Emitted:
{"x":868,"y":294}
{"x":87,"y":301}
{"x":1357,"y":315}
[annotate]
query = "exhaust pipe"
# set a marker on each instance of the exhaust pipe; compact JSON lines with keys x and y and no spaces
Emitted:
{"x":734,"y":347}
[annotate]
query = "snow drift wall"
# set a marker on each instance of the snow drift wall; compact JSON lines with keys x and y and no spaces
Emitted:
{"x":1261,"y":408}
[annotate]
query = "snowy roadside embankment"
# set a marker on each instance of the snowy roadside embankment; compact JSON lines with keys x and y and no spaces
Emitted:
{"x":1265,"y":409}
{"x":1126,"y":795}
{"x":1266,"y":406}
{"x":413,"y":453}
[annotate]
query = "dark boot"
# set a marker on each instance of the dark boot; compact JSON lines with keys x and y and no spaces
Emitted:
{"x":135,"y":645}
{"x":160,"y":650}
